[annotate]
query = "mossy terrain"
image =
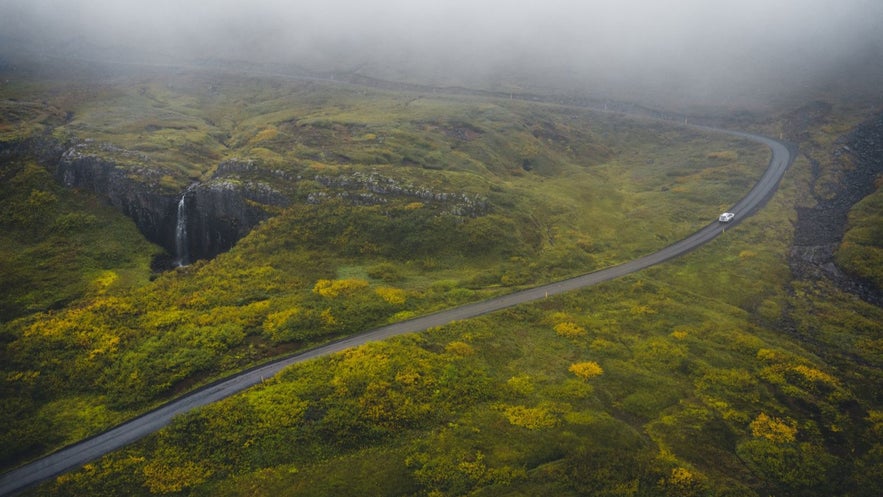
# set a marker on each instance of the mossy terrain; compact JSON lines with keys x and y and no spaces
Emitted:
{"x":60,"y":245}
{"x":714,"y":374}
{"x":861,"y":251}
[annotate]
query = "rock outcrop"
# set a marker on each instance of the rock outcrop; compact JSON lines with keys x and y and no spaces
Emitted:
{"x":820,"y":229}
{"x":44,"y":149}
{"x":218,"y":212}
{"x":223,"y":210}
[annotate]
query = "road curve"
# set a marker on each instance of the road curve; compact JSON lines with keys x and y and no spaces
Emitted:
{"x":92,"y":448}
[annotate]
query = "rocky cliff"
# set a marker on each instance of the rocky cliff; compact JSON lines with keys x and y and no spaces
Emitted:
{"x":858,"y":158}
{"x":221,"y":211}
{"x":218,"y":212}
{"x":133,"y":192}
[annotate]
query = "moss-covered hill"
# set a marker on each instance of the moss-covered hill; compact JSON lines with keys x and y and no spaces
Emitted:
{"x":698,"y":377}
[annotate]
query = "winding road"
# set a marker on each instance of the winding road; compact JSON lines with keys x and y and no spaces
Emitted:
{"x":92,"y":448}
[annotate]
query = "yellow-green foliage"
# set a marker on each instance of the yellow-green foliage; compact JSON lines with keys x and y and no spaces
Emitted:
{"x":522,"y":384}
{"x":395,"y":296}
{"x":682,"y":482}
{"x":773,"y":429}
{"x":265,"y":134}
{"x":276,"y":321}
{"x":162,"y":478}
{"x":586,"y":370}
{"x":335,"y":288}
{"x":568,"y":329}
{"x":861,"y":252}
{"x":58,"y":245}
{"x":532,"y":418}
{"x":459,"y":348}
{"x":679,"y":334}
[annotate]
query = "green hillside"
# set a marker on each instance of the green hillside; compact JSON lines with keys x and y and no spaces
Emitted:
{"x":714,"y":374}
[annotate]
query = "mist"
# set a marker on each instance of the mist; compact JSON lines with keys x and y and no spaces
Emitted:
{"x":684,"y":50}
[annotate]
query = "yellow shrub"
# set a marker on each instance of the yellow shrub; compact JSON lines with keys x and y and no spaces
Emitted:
{"x":773,"y":429}
{"x":814,"y":375}
{"x":569,"y":330}
{"x":875,"y":418}
{"x":559,"y":316}
{"x":769,"y":355}
{"x":403,"y":316}
{"x":747,"y":254}
{"x":275,"y":320}
{"x":334,"y":288}
{"x":683,"y":482}
{"x":327,"y":318}
{"x":104,"y":281}
{"x":394,"y":296}
{"x":586,"y":370}
{"x":107,"y":344}
{"x":408,"y":377}
{"x":532,"y":418}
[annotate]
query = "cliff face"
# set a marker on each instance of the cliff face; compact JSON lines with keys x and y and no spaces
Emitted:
{"x":216,"y":213}
{"x":153,"y":213}
{"x":221,"y":211}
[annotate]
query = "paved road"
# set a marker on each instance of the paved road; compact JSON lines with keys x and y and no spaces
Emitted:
{"x":78,"y":454}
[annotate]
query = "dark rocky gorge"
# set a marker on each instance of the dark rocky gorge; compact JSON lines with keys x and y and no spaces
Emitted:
{"x":820,"y":229}
{"x":206,"y":219}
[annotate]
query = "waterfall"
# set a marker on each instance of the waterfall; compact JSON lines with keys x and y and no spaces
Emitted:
{"x":182,"y":255}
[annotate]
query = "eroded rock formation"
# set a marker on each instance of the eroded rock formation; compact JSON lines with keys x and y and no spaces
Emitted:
{"x":820,"y":229}
{"x":218,"y":212}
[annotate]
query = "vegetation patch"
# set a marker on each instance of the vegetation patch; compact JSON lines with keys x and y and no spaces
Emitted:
{"x":861,"y":253}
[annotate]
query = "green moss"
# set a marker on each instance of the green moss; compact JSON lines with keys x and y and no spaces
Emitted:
{"x":56,"y":241}
{"x":861,"y":252}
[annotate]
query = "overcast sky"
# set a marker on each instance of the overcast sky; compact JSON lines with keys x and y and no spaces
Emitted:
{"x":701,"y":45}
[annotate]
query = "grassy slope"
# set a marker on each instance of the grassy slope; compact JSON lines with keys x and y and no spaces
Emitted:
{"x":689,"y":351}
{"x":861,"y":252}
{"x":58,"y":245}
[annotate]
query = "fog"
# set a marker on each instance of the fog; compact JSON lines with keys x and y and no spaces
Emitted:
{"x":684,"y":50}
